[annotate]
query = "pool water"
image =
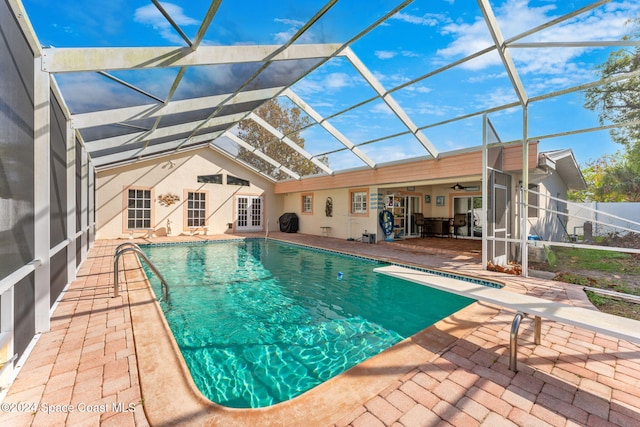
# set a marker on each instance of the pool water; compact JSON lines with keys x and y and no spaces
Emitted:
{"x":259,"y":322}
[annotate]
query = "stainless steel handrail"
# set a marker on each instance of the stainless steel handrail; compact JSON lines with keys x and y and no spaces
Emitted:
{"x":513,"y":337}
{"x":122,"y":245}
{"x":135,"y":248}
{"x":115,"y":267}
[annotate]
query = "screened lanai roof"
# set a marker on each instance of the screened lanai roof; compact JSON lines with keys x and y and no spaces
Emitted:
{"x":377,"y":81}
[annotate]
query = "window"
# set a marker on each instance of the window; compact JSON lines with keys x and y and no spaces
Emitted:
{"x":138,"y":208}
{"x":533,"y":201}
{"x":196,"y":209}
{"x":359,"y":201}
{"x":232,"y":180}
{"x":210,"y":179}
{"x":307,"y":203}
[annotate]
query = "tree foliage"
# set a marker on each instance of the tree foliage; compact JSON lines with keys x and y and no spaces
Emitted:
{"x":616,"y":178}
{"x":618,"y":102}
{"x":611,"y":178}
{"x":289,"y":121}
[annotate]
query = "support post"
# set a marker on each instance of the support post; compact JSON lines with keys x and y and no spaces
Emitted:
{"x":537,"y":325}
{"x":41,"y":196}
{"x":524,"y":205}
{"x":72,"y":265}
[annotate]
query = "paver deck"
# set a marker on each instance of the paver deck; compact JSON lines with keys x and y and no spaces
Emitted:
{"x":85,"y":370}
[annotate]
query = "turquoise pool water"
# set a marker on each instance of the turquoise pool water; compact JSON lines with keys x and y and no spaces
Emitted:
{"x":260,"y":322}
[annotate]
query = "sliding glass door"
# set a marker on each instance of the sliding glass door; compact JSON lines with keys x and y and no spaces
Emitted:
{"x":412,"y":204}
{"x":469,"y":207}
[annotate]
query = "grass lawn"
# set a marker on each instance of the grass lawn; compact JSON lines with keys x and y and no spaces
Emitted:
{"x":610,"y":270}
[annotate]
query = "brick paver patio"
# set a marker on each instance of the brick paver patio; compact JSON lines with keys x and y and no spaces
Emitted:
{"x":84,"y":371}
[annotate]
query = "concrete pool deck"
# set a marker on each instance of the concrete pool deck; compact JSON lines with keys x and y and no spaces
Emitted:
{"x":94,"y":363}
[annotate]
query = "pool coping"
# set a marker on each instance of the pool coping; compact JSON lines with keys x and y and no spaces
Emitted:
{"x":170,"y":396}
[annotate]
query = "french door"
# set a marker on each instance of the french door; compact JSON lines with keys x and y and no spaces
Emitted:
{"x":249,"y":213}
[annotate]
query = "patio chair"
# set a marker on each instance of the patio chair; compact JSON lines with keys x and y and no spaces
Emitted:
{"x":459,"y":220}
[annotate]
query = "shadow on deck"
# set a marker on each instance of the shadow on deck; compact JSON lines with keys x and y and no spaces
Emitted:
{"x":442,"y":245}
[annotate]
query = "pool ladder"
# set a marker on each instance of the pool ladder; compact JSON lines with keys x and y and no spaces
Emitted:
{"x":132,"y":247}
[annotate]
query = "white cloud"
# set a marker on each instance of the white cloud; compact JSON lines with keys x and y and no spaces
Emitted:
{"x":381,"y":108}
{"x":385,"y":54}
{"x":479,"y":78}
{"x":418,"y":88}
{"x":392,"y":150}
{"x":605,"y":23}
{"x":410,"y":54}
{"x":290,"y":22}
{"x":496,"y":96}
{"x":293,"y":26}
{"x":430,"y":109}
{"x":150,"y":15}
{"x":428,"y":19}
{"x":319,"y":86}
{"x":337,"y":81}
{"x":390,"y":54}
{"x":307,"y":86}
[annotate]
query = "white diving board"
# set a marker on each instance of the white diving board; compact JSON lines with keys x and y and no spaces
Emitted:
{"x":607,"y":324}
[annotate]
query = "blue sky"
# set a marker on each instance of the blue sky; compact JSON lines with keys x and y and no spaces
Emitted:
{"x":423,"y":37}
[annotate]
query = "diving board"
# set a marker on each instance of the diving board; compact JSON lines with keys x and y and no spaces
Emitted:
{"x":607,"y":324}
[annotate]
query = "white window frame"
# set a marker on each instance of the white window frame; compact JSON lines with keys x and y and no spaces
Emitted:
{"x":196,"y":209}
{"x":307,"y":203}
{"x":359,"y":204}
{"x":140,"y":221}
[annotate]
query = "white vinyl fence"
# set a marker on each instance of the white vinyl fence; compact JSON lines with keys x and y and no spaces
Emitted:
{"x":605,"y":218}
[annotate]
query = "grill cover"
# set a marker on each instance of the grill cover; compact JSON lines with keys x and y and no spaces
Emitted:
{"x":288,"y":222}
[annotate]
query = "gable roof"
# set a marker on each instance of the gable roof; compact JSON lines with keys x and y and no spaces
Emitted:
{"x":565,"y":164}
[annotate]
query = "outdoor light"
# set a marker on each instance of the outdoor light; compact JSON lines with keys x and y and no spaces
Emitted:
{"x":458,"y":187}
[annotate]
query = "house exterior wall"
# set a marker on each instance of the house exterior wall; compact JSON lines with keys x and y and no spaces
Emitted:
{"x":550,"y":221}
{"x":437,"y":176}
{"x":343,"y":223}
{"x":176,"y":175}
{"x":346,"y":225}
{"x":458,"y":166}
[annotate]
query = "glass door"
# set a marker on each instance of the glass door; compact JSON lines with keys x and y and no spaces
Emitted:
{"x":469,"y":208}
{"x":412,"y":204}
{"x":249,"y":213}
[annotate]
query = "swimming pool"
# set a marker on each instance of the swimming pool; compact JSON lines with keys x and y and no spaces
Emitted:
{"x":259,"y":322}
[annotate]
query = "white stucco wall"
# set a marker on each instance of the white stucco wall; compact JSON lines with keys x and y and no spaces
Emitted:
{"x":549,"y":224}
{"x":342,"y":223}
{"x":177,"y":174}
{"x":345,"y":225}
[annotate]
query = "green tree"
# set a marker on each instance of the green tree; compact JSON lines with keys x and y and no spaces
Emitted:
{"x":289,"y":121}
{"x":616,"y":178}
{"x":618,"y":102}
{"x":611,"y":178}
